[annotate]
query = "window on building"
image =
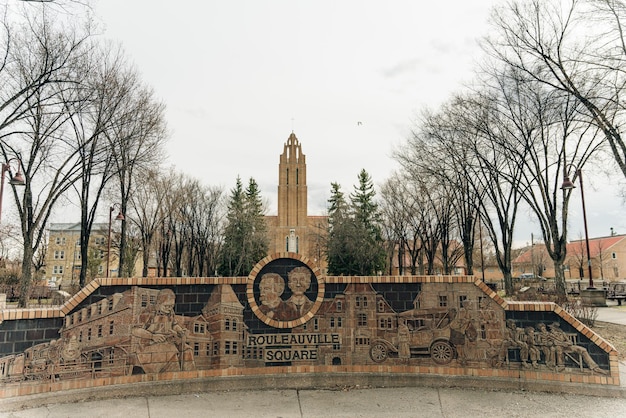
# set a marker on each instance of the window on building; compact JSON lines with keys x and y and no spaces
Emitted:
{"x":144,"y":300}
{"x":443,"y":301}
{"x":362,"y":341}
{"x":362,"y":320}
{"x":196,"y":349}
{"x":462,"y":298}
{"x":227,"y":324}
{"x":613,"y":256}
{"x":111,"y":327}
{"x":60,"y":240}
{"x":339,"y":322}
{"x":59,"y":255}
{"x":226,"y":347}
{"x":99,"y":331}
{"x":381,"y":306}
{"x":316,"y":324}
{"x":216,"y":348}
{"x":332,"y":322}
{"x":234,"y":324}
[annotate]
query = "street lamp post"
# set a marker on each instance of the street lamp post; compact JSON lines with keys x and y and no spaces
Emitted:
{"x":568,"y":185}
{"x":119,"y":217}
{"x":17,"y":180}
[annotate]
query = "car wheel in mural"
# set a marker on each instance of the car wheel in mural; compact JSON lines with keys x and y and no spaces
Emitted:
{"x":441,"y":352}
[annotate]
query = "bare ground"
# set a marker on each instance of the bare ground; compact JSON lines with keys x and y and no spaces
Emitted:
{"x":613,"y":333}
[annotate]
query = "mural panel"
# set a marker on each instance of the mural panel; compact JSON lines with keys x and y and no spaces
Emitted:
{"x":289,"y":316}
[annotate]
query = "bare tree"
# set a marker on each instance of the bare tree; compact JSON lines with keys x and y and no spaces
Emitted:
{"x":135,"y":142}
{"x":40,"y":64}
{"x":395,"y":220}
{"x":95,"y":108}
{"x":145,"y":211}
{"x":575,"y":47}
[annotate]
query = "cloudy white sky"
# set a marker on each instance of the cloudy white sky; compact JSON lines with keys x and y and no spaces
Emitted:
{"x":238,"y":76}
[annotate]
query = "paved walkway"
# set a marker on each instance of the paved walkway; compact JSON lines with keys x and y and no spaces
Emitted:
{"x":402,"y":402}
{"x":612,"y":313}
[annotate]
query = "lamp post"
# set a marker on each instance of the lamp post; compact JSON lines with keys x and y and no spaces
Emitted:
{"x":568,"y":185}
{"x":119,"y":217}
{"x":17,"y":180}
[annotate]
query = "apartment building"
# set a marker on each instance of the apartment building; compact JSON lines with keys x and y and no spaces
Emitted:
{"x":63,"y":257}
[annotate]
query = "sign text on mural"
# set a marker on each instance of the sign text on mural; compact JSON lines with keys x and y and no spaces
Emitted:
{"x":291,"y":347}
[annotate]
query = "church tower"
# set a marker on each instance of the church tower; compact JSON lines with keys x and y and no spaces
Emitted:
{"x":292,"y":193}
{"x":292,"y":229}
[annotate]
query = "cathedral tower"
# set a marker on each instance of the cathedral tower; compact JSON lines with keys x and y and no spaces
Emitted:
{"x":292,"y":192}
{"x":292,"y":229}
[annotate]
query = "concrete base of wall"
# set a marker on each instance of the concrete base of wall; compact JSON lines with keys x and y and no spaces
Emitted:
{"x":328,"y":381}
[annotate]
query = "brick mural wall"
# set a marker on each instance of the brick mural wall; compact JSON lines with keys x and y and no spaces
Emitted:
{"x":285,"y":318}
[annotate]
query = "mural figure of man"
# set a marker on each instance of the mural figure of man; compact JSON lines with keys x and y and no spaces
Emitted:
{"x":271,"y":287}
{"x":162,"y":344}
{"x":404,"y":339}
{"x":299,"y":281}
{"x":544,"y":341}
{"x":532,"y":351}
{"x":562,"y":344}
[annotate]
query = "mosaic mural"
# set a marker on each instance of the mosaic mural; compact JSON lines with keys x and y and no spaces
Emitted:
{"x":288,"y":315}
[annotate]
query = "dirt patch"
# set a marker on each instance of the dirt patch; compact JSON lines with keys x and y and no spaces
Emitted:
{"x":613,"y":333}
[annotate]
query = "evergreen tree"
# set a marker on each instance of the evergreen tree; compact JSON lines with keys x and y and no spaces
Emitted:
{"x":355,"y":243}
{"x":245,"y":235}
{"x":338,"y":235}
{"x":255,"y":212}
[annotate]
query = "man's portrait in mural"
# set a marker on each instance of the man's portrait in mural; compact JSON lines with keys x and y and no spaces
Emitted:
{"x":299,"y":282}
{"x":285,"y":292}
{"x":271,"y":287}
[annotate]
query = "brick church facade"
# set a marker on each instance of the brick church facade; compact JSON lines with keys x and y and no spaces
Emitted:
{"x":293,"y":230}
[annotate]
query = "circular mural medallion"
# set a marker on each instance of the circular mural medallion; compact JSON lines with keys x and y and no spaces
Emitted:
{"x":285,"y":291}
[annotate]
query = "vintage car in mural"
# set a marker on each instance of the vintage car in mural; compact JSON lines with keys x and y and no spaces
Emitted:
{"x":420,"y":332}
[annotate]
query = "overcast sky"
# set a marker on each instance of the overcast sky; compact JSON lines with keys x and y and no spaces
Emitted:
{"x":238,"y":76}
